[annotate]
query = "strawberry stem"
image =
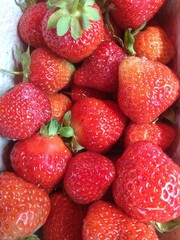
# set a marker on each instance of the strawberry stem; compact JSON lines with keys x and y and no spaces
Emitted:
{"x":75,"y":6}
{"x":11,"y":72}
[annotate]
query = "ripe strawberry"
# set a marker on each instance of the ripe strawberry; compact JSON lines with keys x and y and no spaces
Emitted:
{"x":78,"y":92}
{"x":60,"y":104}
{"x":146,"y":88}
{"x":159,"y":133}
{"x":42,"y":158}
{"x":79,"y":29}
{"x":65,"y":220}
{"x":29,"y":26}
{"x":154,"y":44}
{"x":147,"y":183}
{"x":100,"y":70}
{"x":23,"y":110}
{"x":48,"y":71}
{"x":132,"y":14}
{"x":88,"y":177}
{"x":97,"y":124}
{"x":105,"y":220}
{"x":24,"y":207}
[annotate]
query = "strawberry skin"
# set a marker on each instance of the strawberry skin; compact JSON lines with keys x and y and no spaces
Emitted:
{"x":24,"y":207}
{"x":97,"y":124}
{"x":154,"y":44}
{"x":146,"y":89}
{"x":100,"y":70}
{"x":41,"y":160}
{"x":160,"y":133}
{"x":65,"y":220}
{"x":88,"y":177}
{"x":69,"y":48}
{"x":48,"y":71}
{"x":147,"y":185}
{"x":23,"y":110}
{"x":133,"y":13}
{"x":29,"y":26}
{"x":105,"y":220}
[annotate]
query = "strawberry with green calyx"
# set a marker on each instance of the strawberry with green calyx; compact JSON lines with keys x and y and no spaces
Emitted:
{"x":146,"y":89}
{"x":24,"y":207}
{"x":147,"y":183}
{"x":73,"y":29}
{"x":42,"y":158}
{"x":97,"y":124}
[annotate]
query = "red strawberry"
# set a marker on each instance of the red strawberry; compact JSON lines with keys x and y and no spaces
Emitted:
{"x":147,"y":183}
{"x":78,"y":92}
{"x":154,"y":44}
{"x":146,"y":88}
{"x":97,"y":124}
{"x":88,"y":177}
{"x":60,"y":104}
{"x":23,"y":110}
{"x":161,"y":134}
{"x":48,"y":71}
{"x":106,"y":221}
{"x":100,"y":70}
{"x":132,"y":14}
{"x":65,"y":220}
{"x":29,"y":26}
{"x":79,"y":29}
{"x":24,"y":207}
{"x":42,"y":158}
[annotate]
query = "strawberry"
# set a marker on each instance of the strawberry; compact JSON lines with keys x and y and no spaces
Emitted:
{"x":147,"y":183}
{"x":24,"y":207}
{"x":78,"y":92}
{"x":88,"y":177}
{"x":60,"y":104}
{"x":42,"y":158}
{"x":160,"y":133}
{"x":105,"y":220}
{"x":23,"y":110}
{"x":29,"y":26}
{"x":132,"y":14}
{"x":73,"y":30}
{"x":65,"y":220}
{"x":100,"y":70}
{"x":146,"y":89}
{"x":48,"y":71}
{"x":154,"y":44}
{"x":97,"y":124}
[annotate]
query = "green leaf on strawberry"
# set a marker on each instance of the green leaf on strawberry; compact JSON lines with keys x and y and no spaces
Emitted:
{"x":167,"y":226}
{"x":75,"y":16}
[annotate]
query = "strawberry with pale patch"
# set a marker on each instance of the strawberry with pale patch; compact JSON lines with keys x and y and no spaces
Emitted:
{"x":146,"y":89}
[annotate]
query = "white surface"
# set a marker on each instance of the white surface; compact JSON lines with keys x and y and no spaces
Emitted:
{"x":9,"y":16}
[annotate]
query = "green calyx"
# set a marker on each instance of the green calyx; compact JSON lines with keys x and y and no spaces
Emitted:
{"x":25,"y":60}
{"x":72,"y":15}
{"x":129,"y":39}
{"x":31,"y":237}
{"x":50,"y":129}
{"x":166,"y":227}
{"x":25,"y":4}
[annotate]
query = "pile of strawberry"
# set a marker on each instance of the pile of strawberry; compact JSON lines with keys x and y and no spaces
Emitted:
{"x":90,"y":124}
